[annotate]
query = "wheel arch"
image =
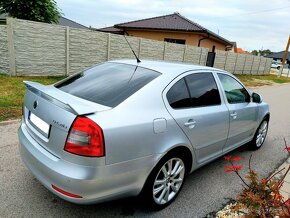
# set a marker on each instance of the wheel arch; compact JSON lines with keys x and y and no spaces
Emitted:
{"x":267,"y":117}
{"x":181,"y":149}
{"x":184,"y":152}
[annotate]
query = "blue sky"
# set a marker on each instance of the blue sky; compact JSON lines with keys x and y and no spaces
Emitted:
{"x":253,"y":24}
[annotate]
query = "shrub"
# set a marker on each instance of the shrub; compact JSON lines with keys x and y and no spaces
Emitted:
{"x":260,"y":197}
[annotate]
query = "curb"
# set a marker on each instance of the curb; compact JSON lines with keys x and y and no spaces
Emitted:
{"x":265,"y":86}
{"x":4,"y":123}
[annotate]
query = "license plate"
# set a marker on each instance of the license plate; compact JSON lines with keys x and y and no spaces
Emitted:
{"x":39,"y":123}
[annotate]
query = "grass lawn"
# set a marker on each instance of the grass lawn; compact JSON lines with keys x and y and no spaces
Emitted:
{"x":12,"y":92}
{"x":254,"y":81}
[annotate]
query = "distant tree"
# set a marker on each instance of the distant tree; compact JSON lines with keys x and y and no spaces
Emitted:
{"x":261,"y":52}
{"x":36,"y":10}
{"x":265,"y":52}
{"x":254,"y":52}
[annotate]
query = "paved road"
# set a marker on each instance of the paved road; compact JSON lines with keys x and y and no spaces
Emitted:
{"x":206,"y":190}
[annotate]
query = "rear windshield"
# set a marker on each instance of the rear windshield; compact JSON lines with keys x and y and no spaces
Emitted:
{"x":108,"y":84}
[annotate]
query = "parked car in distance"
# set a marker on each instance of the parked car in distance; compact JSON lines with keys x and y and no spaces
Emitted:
{"x":276,"y":65}
{"x":122,"y":129}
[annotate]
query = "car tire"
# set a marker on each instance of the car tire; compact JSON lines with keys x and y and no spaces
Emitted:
{"x":165,"y":181}
{"x":278,"y":68}
{"x":260,"y":135}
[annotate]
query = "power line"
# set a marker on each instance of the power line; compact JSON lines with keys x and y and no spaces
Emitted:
{"x":255,"y":12}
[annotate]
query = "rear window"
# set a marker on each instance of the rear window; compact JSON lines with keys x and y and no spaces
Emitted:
{"x":108,"y":84}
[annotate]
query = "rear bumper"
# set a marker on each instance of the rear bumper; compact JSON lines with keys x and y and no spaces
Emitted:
{"x":93,"y":184}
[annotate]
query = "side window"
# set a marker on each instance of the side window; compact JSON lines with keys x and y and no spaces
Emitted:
{"x":203,"y":89}
{"x":178,"y":96}
{"x":235,"y":92}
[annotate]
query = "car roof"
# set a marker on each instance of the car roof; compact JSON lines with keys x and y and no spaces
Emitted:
{"x":165,"y":67}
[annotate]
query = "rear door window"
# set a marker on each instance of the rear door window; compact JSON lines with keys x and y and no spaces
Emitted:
{"x":203,"y":90}
{"x":178,"y":95}
{"x":108,"y":84}
{"x":194,"y":90}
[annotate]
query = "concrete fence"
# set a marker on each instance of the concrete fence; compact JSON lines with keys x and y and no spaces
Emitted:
{"x":242,"y":63}
{"x":33,"y":48}
{"x":4,"y":60}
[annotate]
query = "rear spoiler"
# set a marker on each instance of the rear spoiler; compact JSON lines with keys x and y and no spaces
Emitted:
{"x":64,"y":100}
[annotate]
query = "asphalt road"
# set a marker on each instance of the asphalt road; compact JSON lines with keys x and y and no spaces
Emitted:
{"x":205,"y":190}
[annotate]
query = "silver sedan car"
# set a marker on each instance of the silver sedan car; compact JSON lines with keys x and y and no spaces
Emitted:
{"x":123,"y":128}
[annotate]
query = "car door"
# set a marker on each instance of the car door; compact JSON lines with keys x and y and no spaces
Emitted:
{"x":243,"y":112}
{"x":194,"y":102}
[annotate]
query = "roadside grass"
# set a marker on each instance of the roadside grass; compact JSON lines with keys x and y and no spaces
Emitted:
{"x":12,"y":91}
{"x":261,"y":80}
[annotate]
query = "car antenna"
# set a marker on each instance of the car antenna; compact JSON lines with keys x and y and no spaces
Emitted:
{"x":138,"y":60}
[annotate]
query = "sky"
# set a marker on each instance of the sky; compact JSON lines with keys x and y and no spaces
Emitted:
{"x":253,"y":24}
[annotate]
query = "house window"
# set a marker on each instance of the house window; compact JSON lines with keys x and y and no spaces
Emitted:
{"x":178,"y":41}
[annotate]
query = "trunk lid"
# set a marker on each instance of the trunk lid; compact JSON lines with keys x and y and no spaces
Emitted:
{"x":50,"y":112}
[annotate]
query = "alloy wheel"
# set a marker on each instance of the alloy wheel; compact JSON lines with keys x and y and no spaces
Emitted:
{"x":168,"y":181}
{"x":262,"y":132}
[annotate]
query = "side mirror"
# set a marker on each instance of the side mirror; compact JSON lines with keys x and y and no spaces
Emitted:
{"x":257,"y":98}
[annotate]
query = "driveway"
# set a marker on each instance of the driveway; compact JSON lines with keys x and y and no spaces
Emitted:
{"x":205,"y":190}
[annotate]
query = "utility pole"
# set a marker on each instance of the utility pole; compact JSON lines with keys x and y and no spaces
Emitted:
{"x":284,"y":57}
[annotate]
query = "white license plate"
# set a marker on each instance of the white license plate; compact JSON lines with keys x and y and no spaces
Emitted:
{"x":39,"y":123}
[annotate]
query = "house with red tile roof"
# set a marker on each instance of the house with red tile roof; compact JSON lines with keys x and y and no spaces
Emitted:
{"x":173,"y":28}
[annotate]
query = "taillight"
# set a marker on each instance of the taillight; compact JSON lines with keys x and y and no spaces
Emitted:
{"x":85,"y":138}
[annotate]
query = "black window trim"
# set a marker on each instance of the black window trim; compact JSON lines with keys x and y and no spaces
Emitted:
{"x":182,"y":76}
{"x":176,"y":41}
{"x":188,"y":91}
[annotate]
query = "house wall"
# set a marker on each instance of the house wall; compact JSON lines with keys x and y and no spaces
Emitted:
{"x":190,"y":38}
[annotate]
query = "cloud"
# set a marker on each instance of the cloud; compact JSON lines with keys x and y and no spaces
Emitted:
{"x":251,"y":23}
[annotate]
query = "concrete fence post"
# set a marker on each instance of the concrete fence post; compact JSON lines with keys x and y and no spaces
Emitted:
{"x":226,"y":59}
{"x":108,"y":46}
{"x":184,"y":53}
{"x":235,"y":62}
{"x":164,"y":50}
{"x":11,"y":49}
{"x":206,"y":56}
{"x":140,"y":48}
{"x":67,"y":51}
{"x":252,"y":65}
{"x":200,"y":51}
{"x":265,"y":66}
{"x":258,"y":71}
{"x":245,"y":61}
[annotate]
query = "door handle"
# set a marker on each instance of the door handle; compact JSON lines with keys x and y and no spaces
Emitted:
{"x":234,"y":115}
{"x":190,"y":124}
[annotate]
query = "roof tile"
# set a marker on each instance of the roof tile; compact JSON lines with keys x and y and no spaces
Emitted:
{"x":171,"y":22}
{"x":167,"y":22}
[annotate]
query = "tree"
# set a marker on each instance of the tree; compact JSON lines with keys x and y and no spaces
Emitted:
{"x":261,"y":52}
{"x":36,"y":10}
{"x":255,"y":52}
{"x":265,"y":52}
